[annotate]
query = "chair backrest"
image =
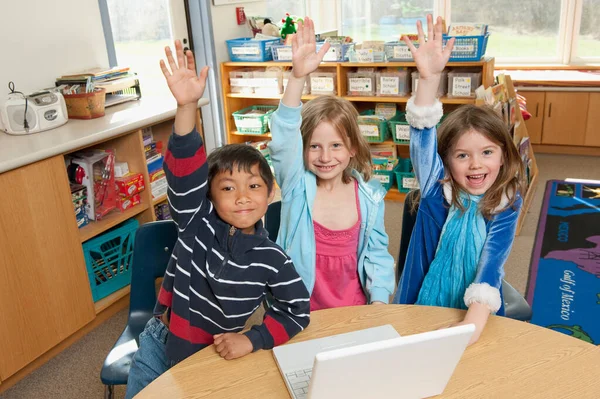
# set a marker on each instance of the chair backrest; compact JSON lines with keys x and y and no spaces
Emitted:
{"x":152,"y":249}
{"x":409,"y":217}
{"x":273,"y":219}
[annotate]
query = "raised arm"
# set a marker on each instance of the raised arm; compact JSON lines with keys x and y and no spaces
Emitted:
{"x":424,"y":110}
{"x":286,"y":146}
{"x":185,"y":160}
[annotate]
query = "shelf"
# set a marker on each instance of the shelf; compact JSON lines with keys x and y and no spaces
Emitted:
{"x":112,"y":219}
{"x":159,"y":199}
{"x":357,"y":64}
{"x":444,"y":100}
{"x":112,"y":298}
{"x":395,"y":195}
{"x":236,"y":133}
{"x":263,"y":97}
{"x":275,"y":63}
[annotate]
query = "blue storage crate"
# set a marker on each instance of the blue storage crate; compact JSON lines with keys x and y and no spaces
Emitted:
{"x":385,"y":177}
{"x":108,"y":259}
{"x":338,"y":52}
{"x":281,"y":52}
{"x":249,"y":49}
{"x":467,"y":48}
{"x":398,"y":51}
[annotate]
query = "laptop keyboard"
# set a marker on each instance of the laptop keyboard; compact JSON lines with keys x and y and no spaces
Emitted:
{"x":299,"y":380}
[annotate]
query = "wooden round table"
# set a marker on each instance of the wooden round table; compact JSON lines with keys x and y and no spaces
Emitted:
{"x":512,"y":359}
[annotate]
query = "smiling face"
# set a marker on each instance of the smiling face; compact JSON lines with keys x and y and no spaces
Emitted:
{"x":327,"y":155}
{"x":241,"y":198}
{"x":475,"y":162}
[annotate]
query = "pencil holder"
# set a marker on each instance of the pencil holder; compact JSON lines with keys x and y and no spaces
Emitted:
{"x":86,"y":105}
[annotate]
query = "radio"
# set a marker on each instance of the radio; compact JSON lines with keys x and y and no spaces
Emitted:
{"x":42,"y":111}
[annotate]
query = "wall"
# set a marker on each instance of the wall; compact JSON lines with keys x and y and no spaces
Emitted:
{"x":225,"y":26}
{"x":42,"y":40}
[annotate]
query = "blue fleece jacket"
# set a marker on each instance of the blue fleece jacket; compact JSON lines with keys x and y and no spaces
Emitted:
{"x":298,"y":190}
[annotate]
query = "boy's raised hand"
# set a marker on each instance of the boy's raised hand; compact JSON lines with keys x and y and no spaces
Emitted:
{"x":187,"y":87}
{"x":430,"y":57}
{"x":305,"y":59}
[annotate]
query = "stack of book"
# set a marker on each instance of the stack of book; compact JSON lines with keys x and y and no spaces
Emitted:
{"x":154,"y":161}
{"x":120,"y":84}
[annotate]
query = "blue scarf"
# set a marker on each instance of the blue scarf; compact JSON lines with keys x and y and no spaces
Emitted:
{"x":455,"y":264}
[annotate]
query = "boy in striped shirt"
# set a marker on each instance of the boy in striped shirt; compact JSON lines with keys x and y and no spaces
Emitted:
{"x":223,"y":264}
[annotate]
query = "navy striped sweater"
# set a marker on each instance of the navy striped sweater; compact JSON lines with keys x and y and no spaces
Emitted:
{"x":218,"y":276}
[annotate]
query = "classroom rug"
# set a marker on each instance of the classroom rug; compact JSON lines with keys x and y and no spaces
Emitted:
{"x":564,"y":278}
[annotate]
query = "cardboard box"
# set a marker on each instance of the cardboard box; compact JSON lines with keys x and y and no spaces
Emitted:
{"x":130,"y":184}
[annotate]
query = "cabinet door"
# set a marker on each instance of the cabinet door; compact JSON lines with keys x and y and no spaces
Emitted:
{"x":535,"y":106}
{"x":565,"y":118}
{"x":44,"y":289}
{"x":592,"y":133}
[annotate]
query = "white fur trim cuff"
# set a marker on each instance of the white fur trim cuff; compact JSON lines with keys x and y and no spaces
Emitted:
{"x":485,"y":294}
{"x":423,"y":117}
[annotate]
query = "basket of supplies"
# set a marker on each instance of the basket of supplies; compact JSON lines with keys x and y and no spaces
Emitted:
{"x":383,"y":170}
{"x":374,"y":128}
{"x":467,"y":48}
{"x":405,"y":176}
{"x":249,"y":49}
{"x":254,"y":119}
{"x":399,"y":128}
{"x":108,"y":259}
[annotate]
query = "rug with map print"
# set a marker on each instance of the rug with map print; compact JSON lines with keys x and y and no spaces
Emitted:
{"x":564,"y":278}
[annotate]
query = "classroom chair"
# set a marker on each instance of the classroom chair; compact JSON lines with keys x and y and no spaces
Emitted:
{"x":152,"y":249}
{"x":515,"y":306}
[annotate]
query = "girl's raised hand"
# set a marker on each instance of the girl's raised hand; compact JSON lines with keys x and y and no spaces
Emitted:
{"x":187,"y":87}
{"x":305,"y":59}
{"x":430,"y":57}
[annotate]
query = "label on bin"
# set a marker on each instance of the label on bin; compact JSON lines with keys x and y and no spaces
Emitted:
{"x":402,"y":132}
{"x":361,"y":84}
{"x":284,"y":53}
{"x":389,"y":84}
{"x":242,"y":82}
{"x":465,"y":48}
{"x":369,"y":130}
{"x":245,"y":50}
{"x":410,"y":182}
{"x":321,"y":84}
{"x":461,"y":86}
{"x":382,"y":178}
{"x":332,"y":54}
{"x":365,"y":55}
{"x":402,"y":52}
{"x":249,"y":123}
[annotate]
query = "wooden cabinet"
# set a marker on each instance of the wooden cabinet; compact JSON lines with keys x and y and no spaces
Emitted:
{"x":44,"y":288}
{"x":592,"y":130}
{"x":565,"y":118}
{"x":236,"y":101}
{"x":564,"y":121}
{"x":535,"y":106}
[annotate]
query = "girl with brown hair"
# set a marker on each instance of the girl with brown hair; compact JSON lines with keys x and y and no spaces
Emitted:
{"x":332,"y":212}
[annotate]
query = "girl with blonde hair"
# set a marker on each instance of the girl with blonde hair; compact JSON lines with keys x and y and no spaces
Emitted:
{"x":332,"y":212}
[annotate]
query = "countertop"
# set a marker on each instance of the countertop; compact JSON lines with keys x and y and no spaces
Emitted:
{"x":17,"y":151}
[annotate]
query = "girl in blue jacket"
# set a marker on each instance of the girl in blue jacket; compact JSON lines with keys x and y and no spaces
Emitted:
{"x":332,"y":212}
{"x":470,"y":196}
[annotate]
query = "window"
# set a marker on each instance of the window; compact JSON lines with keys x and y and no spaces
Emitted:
{"x":530,"y":31}
{"x":140,"y":31}
{"x":588,"y":40}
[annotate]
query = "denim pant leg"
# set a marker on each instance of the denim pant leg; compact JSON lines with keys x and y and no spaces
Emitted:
{"x":150,"y":360}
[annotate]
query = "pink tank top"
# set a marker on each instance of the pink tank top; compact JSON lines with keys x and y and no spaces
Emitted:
{"x":336,"y":277}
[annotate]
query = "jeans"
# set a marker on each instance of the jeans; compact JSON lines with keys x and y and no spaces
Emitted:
{"x":150,"y":360}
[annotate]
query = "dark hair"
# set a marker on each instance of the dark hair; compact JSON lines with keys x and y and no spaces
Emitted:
{"x":242,"y":156}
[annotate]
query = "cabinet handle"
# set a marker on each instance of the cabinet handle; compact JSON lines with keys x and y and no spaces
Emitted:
{"x":537,"y":108}
{"x":550,"y":110}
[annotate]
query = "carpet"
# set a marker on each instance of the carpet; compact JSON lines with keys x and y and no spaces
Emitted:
{"x":564,"y":278}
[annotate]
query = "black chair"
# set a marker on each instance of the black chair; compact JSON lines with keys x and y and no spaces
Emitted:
{"x":515,"y":306}
{"x":272,"y":220}
{"x":152,"y":249}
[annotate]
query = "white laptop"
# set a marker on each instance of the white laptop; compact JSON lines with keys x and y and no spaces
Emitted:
{"x":375,"y":362}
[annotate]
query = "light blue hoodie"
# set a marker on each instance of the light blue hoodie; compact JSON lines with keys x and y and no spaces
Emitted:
{"x":298,"y":190}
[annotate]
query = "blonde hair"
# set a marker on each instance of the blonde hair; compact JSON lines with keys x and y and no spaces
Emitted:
{"x":342,"y":115}
{"x":486,"y":122}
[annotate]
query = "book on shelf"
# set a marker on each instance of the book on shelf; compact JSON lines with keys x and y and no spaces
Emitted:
{"x":467,"y":29}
